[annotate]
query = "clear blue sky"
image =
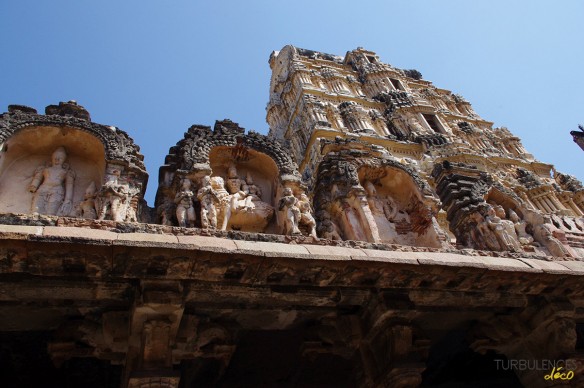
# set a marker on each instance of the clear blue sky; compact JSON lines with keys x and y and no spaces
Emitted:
{"x":154,"y":68}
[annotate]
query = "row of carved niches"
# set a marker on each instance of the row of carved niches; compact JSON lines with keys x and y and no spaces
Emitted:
{"x":379,"y":204}
{"x":48,"y":166}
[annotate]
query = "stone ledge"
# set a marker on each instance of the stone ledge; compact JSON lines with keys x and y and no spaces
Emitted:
{"x":213,"y":244}
{"x":394,"y":257}
{"x":83,"y":233}
{"x":270,"y":249}
{"x":551,"y":267}
{"x":324,"y":252}
{"x":145,"y":239}
{"x":19,"y":232}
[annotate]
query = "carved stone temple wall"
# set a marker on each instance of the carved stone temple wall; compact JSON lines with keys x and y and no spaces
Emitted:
{"x":381,"y":235}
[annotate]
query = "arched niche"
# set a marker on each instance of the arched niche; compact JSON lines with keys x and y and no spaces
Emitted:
{"x":32,"y":147}
{"x":248,"y":162}
{"x":509,"y":201}
{"x":400,"y":211}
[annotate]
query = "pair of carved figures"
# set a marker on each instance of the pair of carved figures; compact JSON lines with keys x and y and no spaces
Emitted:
{"x":185,"y":209}
{"x":52,"y":187}
{"x":296,"y":214}
{"x":494,"y":232}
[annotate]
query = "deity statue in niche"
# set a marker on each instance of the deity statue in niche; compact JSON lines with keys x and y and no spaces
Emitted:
{"x":509,"y":228}
{"x":233,"y":207}
{"x":52,"y":186}
{"x":208,"y":198}
{"x":291,"y":213}
{"x":306,"y":218}
{"x":327,"y":228}
{"x":87,"y":207}
{"x":549,"y":236}
{"x":383,"y":211}
{"x":236,"y":187}
{"x":520,"y":228}
{"x":482,"y":235}
{"x":185,"y":208}
{"x":502,"y":233}
{"x":113,"y":196}
{"x":254,"y":193}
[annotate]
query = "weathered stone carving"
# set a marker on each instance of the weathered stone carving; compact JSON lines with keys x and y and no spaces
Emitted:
{"x":115,"y":198}
{"x":223,"y":154}
{"x":306,"y":218}
{"x":326,"y":227}
{"x":208,"y":198}
{"x":185,"y":208}
{"x":503,"y":229}
{"x":520,"y":228}
{"x":87,"y":208}
{"x":53,"y":186}
{"x":91,"y":149}
{"x":290,"y":212}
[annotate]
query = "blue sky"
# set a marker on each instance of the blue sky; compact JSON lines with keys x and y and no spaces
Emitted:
{"x":154,"y":68}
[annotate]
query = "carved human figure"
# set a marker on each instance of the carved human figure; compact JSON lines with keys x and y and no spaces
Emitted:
{"x":288,"y":206}
{"x":306,"y":217}
{"x":208,"y":198}
{"x":551,"y":237}
{"x":165,"y":211}
{"x":483,"y":236}
{"x":113,"y":196}
{"x":414,"y":125}
{"x":185,"y":209}
{"x":254,"y":193}
{"x":327,"y":228}
{"x":520,"y":228}
{"x":87,"y":207}
{"x":235,"y":186}
{"x":509,"y":228}
{"x":132,"y":202}
{"x":495,"y":224}
{"x":53,"y":186}
{"x":386,"y":206}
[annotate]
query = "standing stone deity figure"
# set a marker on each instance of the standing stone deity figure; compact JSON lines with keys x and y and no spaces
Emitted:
{"x":208,"y":198}
{"x":235,"y":186}
{"x":306,"y":217}
{"x":254,"y":193}
{"x":509,"y":228}
{"x":53,"y":186}
{"x":165,"y":211}
{"x":327,"y":228}
{"x":386,"y":207}
{"x":185,"y":209}
{"x":551,"y":237}
{"x":112,"y":196}
{"x":87,"y":207}
{"x":415,"y":126}
{"x":498,"y":228}
{"x":520,"y":228}
{"x":288,"y":205}
{"x":132,"y":203}
{"x":483,"y":236}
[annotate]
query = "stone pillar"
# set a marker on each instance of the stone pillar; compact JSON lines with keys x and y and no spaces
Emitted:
{"x":154,"y":322}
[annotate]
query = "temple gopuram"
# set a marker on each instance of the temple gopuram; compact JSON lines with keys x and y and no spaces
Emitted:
{"x":382,"y":234}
